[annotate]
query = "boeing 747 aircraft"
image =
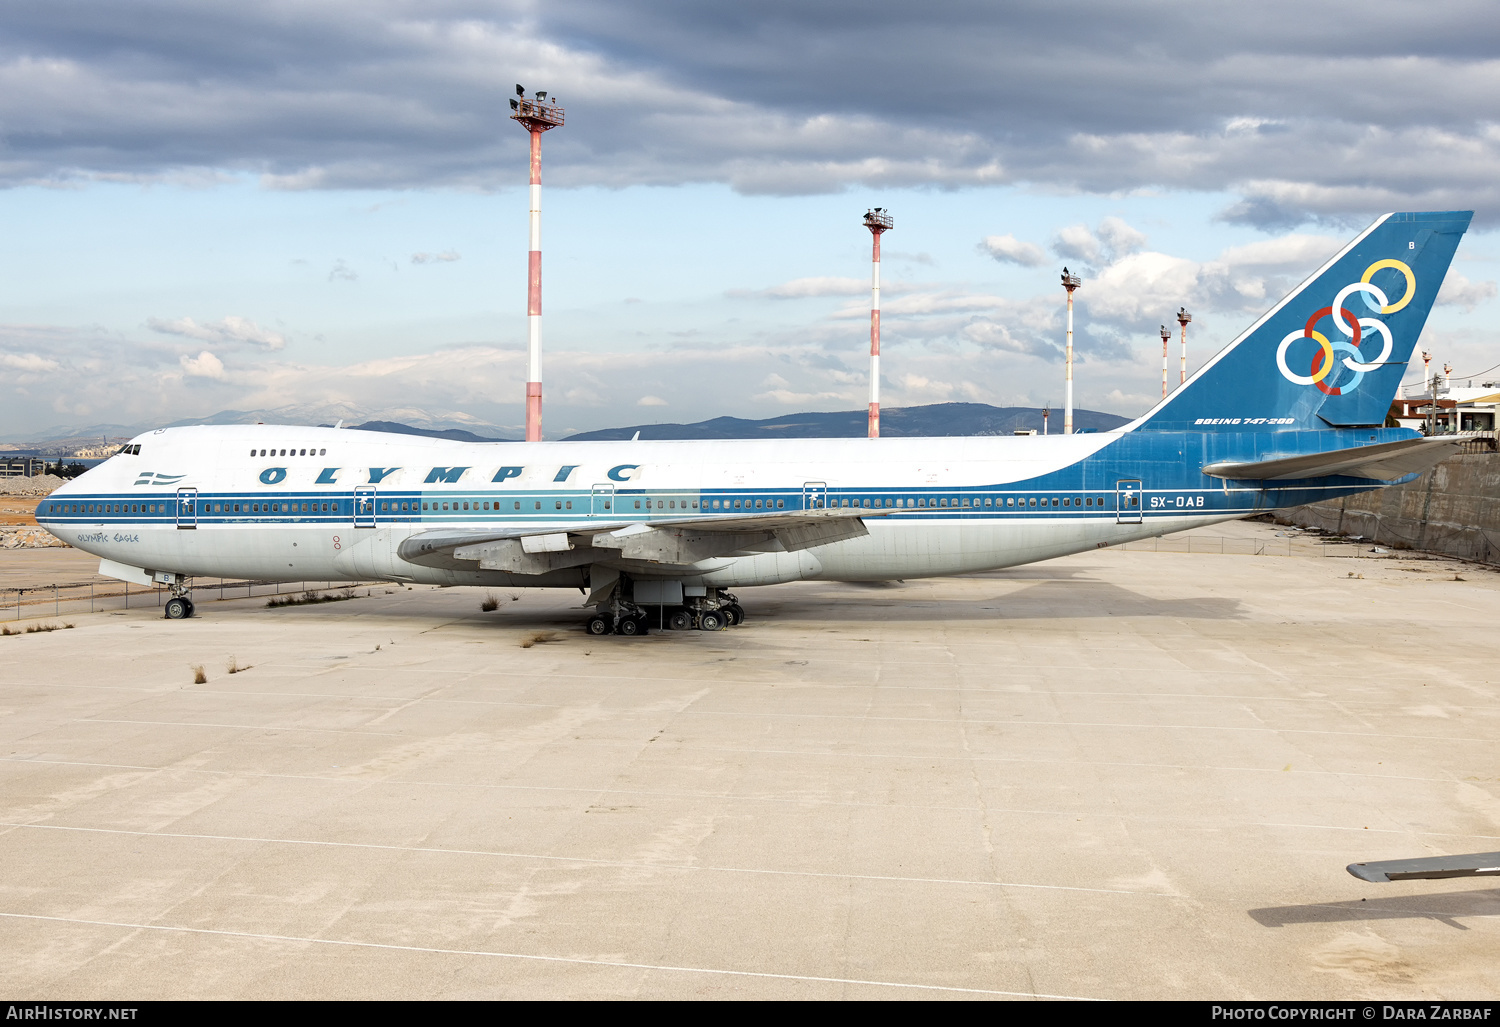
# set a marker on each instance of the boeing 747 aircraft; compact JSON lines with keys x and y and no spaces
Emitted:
{"x":1289,"y":412}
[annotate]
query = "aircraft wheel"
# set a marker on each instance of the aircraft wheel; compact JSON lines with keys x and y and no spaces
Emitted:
{"x":712,"y":620}
{"x":680,"y":621}
{"x":735,"y":615}
{"x":179,"y":609}
{"x":628,"y":626}
{"x":599,"y":625}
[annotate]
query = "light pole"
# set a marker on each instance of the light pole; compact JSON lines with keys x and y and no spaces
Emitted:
{"x":1183,"y":317}
{"x":877,"y":221}
{"x":535,"y":116}
{"x":1069,"y":282}
{"x":1166,"y":340}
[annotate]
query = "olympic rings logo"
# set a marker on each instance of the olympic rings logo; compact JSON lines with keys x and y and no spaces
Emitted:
{"x":1326,"y":359}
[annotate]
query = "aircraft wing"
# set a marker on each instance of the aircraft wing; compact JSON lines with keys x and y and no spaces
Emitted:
{"x":534,"y":548}
{"x":1385,"y":461}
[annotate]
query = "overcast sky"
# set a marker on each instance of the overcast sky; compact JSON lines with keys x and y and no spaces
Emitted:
{"x":317,"y":206}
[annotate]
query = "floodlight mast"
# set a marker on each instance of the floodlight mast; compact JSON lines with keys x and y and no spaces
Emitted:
{"x":877,"y":221}
{"x":1166,"y":341}
{"x":1069,"y":282}
{"x":1183,"y":318}
{"x":536,"y":116}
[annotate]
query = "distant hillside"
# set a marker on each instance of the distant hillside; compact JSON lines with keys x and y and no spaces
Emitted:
{"x":451,"y":434}
{"x":939,"y":419}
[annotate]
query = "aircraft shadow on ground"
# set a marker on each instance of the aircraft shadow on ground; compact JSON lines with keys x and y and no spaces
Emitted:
{"x":1039,"y":597}
{"x":1042,"y":599}
{"x":1446,"y":907}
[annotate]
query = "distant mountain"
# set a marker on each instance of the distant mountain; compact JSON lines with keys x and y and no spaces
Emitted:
{"x":938,"y":419}
{"x":451,"y":434}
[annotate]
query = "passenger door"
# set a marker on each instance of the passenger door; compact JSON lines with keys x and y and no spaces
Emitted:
{"x":814,"y":495}
{"x":1128,"y":501}
{"x":602,"y":501}
{"x":364,"y":506}
{"x":187,"y":509}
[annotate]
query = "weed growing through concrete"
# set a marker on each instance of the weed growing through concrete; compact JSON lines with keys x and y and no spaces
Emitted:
{"x":199,"y":678}
{"x":34,"y":629}
{"x":311,"y":597}
{"x":538,"y":638}
{"x":490,"y":604}
{"x":234,"y":666}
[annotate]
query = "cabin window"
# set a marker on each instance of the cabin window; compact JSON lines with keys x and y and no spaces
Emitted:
{"x":637,"y":504}
{"x":557,"y":504}
{"x":570,"y":504}
{"x":1067,"y":502}
{"x":538,"y":504}
{"x":1089,"y":501}
{"x":322,"y":452}
{"x":518,"y":504}
{"x":781,"y":504}
{"x":252,"y":452}
{"x":385,"y":506}
{"x":303,"y":453}
{"x":1054,"y":502}
{"x":736,"y":504}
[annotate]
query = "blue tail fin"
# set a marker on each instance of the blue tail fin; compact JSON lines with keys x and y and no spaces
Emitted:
{"x":1331,"y":354}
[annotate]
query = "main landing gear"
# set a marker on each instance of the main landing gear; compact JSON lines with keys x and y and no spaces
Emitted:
{"x":713,"y":611}
{"x":180,"y":606}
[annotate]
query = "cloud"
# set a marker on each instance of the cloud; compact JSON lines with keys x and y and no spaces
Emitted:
{"x":807,"y":288}
{"x":1460,"y":292}
{"x":204,"y":365}
{"x":1349,"y":115}
{"x":232,"y":329}
{"x":1009,"y":250}
{"x":27,"y":362}
{"x":447,"y":256}
{"x":342,"y":272}
{"x":651,"y":401}
{"x":1076,"y":242}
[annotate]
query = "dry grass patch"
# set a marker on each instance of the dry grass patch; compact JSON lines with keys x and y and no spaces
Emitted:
{"x":310,"y":598}
{"x":233,"y":666}
{"x":34,"y":629}
{"x":539,"y":638}
{"x":199,"y":678}
{"x":490,"y":604}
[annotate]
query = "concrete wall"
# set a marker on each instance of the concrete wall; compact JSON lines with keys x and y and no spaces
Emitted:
{"x":1452,"y":509}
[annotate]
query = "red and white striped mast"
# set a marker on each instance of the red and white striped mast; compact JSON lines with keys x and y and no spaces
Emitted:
{"x":1166,"y":341}
{"x":535,"y":116}
{"x":1183,"y":317}
{"x":877,"y":221}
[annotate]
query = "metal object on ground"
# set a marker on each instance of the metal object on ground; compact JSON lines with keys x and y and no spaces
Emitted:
{"x":1431,"y":868}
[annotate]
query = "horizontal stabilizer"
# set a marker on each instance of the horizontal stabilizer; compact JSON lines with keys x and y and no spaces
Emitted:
{"x":1385,"y":461}
{"x":1432,"y":868}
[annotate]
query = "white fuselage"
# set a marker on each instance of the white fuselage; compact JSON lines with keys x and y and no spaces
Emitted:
{"x":326,"y":504}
